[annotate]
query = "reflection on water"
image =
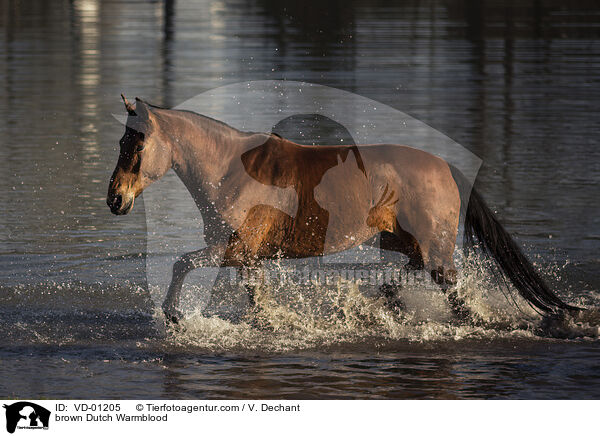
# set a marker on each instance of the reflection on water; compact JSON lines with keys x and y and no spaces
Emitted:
{"x":463,"y":371}
{"x":515,"y":83}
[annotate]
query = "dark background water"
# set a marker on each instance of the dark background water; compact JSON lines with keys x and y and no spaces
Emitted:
{"x":517,"y":83}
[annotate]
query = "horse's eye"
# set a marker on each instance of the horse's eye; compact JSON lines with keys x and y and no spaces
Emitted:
{"x":140,"y":147}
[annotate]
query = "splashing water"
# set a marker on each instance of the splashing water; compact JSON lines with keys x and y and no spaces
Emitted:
{"x":288,"y":318}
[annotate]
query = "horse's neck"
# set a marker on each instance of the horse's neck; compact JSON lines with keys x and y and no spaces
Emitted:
{"x":203,"y":151}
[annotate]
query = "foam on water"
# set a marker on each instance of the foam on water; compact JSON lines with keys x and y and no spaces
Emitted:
{"x":329,"y":316}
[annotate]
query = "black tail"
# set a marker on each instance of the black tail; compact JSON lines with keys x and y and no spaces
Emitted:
{"x":482,"y":226}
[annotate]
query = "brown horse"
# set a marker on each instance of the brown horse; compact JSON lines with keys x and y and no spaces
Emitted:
{"x":263,"y":196}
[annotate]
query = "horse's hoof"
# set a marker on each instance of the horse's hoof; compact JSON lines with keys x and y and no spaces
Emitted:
{"x":173,"y":316}
{"x":257,"y":321}
{"x":261,"y":325}
{"x":392,"y":301}
{"x":553,"y":321}
{"x":462,"y":314}
{"x":172,"y":319}
{"x":397,"y":306}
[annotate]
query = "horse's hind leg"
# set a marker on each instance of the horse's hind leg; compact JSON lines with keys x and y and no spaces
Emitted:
{"x":445,"y":277}
{"x":443,"y":273}
{"x":208,"y":256}
{"x":399,"y":242}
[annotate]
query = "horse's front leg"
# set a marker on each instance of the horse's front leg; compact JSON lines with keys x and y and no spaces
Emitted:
{"x":207,"y":257}
{"x":253,"y":276}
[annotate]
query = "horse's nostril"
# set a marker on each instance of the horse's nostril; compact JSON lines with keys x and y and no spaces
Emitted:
{"x":117,"y":200}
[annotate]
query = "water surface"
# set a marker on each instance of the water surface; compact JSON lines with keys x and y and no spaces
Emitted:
{"x":516,"y":84}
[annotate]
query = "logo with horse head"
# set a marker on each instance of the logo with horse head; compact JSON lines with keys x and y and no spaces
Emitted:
{"x":26,"y":415}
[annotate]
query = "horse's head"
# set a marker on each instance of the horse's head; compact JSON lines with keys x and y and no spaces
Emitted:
{"x":143,"y":158}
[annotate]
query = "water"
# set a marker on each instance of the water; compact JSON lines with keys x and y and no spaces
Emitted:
{"x":516,"y":85}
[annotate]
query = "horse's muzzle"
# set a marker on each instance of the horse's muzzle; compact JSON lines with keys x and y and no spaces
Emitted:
{"x":117,"y":206}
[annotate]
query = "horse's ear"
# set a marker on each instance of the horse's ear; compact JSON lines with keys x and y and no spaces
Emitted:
{"x":142,"y":109}
{"x":128,"y":106}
